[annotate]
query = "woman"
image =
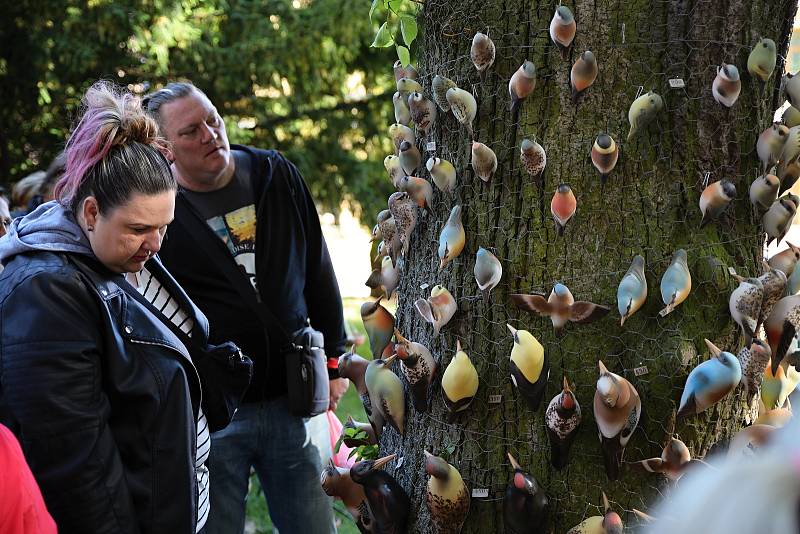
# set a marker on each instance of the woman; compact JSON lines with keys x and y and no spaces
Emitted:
{"x":99,"y":387}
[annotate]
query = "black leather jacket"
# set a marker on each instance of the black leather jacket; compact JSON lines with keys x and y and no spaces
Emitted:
{"x":102,"y":395}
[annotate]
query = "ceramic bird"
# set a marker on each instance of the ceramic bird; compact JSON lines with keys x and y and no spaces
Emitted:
{"x":459,"y":382}
{"x":745,"y":306}
{"x":395,"y":169}
{"x":420,"y":190}
{"x":447,"y":496}
{"x":643,"y":111}
{"x":605,"y":154}
{"x":632,"y":290}
{"x":386,"y":392}
{"x":785,"y":260}
{"x":336,"y":482}
{"x":404,"y":210}
{"x":488,"y":271}
{"x":423,"y":112}
{"x":777,"y":417}
{"x":778,"y":219}
{"x":526,"y":508}
{"x":583,"y":74}
{"x":364,"y":433}
{"x":353,"y":367}
{"x":529,"y":366}
{"x":561,"y":419}
{"x":748,"y":442}
{"x":452,"y":237}
{"x":753,"y":359}
{"x":563,"y":206}
{"x":391,"y":239}
{"x":762,"y":59}
{"x":379,"y":324}
{"x":676,"y":283}
{"x":533,"y":158}
{"x":408,"y":85}
{"x":609,"y":523}
{"x":407,"y":71}
{"x":387,"y":277}
{"x":792,"y":89}
{"x":617,"y":408}
{"x":439,"y":86}
{"x":791,"y":117}
{"x":675,"y":458}
{"x":418,"y":366}
{"x":709,"y":382}
{"x":764,"y":191}
{"x":776,"y":388}
{"x":727,"y":85}
{"x":438,"y":309}
{"x":402,"y":115}
{"x":399,"y":133}
{"x":561,"y":307}
{"x":443,"y":174}
{"x":774,"y":284}
{"x":562,"y":30}
{"x":521,"y":84}
{"x":410,"y":158}
{"x":788,"y":169}
{"x":793,"y":284}
{"x":484,"y":161}
{"x":770,"y":145}
{"x":781,"y":327}
{"x":388,"y":501}
{"x":463,"y":106}
{"x":482,"y":52}
{"x":714,"y":199}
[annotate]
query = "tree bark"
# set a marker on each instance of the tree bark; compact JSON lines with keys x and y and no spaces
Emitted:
{"x":649,"y":206}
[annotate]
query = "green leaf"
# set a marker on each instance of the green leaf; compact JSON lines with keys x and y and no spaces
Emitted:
{"x":338,"y":444}
{"x":350,"y":432}
{"x":352,"y":453}
{"x":383,"y":38}
{"x":403,"y":55}
{"x":408,"y":26}
{"x":393,"y":5}
{"x":373,"y":8}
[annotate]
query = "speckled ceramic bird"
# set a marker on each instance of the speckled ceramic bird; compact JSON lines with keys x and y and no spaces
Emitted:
{"x":386,"y":392}
{"x":402,"y":115}
{"x":714,"y":199}
{"x":605,"y":153}
{"x":354,"y":367}
{"x":521,"y":84}
{"x":439,"y":86}
{"x":420,"y":190}
{"x":526,"y":508}
{"x":562,"y":30}
{"x":781,"y":327}
{"x":561,"y":307}
{"x":418,"y":366}
{"x":632,"y":290}
{"x":609,"y":523}
{"x":394,"y":169}
{"x":336,"y":482}
{"x":762,"y":59}
{"x":379,"y":324}
{"x":443,"y":174}
{"x":753,"y":360}
{"x":391,"y":239}
{"x":744,"y":305}
{"x":364,"y":433}
{"x":399,"y":133}
{"x":727,"y":85}
{"x":710,"y":381}
{"x":387,"y":277}
{"x":387,"y":499}
{"x":563,"y":206}
{"x":643,"y":111}
{"x":583,"y":74}
{"x":786,"y":260}
{"x":561,"y":419}
{"x":488,"y":271}
{"x":459,"y":382}
{"x":463,"y":106}
{"x":770,"y":145}
{"x":423,"y":113}
{"x":437,"y":309}
{"x":764,"y":191}
{"x":529,"y":367}
{"x":533,"y":158}
{"x":774,"y":284}
{"x":410,"y":158}
{"x":482,"y":52}
{"x":447,"y":496}
{"x":778,"y":219}
{"x":452,"y":237}
{"x":674,"y":459}
{"x":617,"y":408}
{"x":484,"y":161}
{"x":404,"y":210}
{"x":676,"y":283}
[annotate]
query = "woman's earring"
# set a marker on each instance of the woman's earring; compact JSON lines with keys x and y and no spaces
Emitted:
{"x":89,"y":228}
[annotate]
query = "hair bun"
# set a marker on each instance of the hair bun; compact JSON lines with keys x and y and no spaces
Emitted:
{"x":135,"y":125}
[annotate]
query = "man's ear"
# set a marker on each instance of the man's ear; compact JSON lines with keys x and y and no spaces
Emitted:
{"x":167,"y":153}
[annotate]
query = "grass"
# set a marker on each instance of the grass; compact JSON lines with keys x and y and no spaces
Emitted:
{"x":257,"y":518}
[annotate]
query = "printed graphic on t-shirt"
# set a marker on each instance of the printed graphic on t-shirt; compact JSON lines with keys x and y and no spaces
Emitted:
{"x":237,"y":229}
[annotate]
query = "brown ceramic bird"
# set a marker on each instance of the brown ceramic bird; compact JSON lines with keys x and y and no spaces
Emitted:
{"x":521,"y":84}
{"x":563,"y":206}
{"x":336,"y":482}
{"x":353,"y":367}
{"x":379,"y":324}
{"x":753,"y":360}
{"x":583,"y":74}
{"x":714,"y":199}
{"x":605,"y":153}
{"x":744,"y":305}
{"x":674,"y":459}
{"x":562,"y":30}
{"x":387,"y":499}
{"x":781,"y":327}
{"x":561,"y":307}
{"x":419,"y":368}
{"x":447,"y":496}
{"x":617,"y":408}
{"x":786,"y":260}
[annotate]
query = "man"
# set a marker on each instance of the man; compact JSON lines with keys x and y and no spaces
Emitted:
{"x":257,"y":203}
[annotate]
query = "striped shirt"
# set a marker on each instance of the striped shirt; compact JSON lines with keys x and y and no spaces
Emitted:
{"x":158,"y":296}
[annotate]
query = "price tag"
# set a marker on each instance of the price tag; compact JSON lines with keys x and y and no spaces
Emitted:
{"x":639,"y":371}
{"x":399,"y":462}
{"x":677,"y":83}
{"x":424,"y":286}
{"x":495,"y":399}
{"x":481,"y":493}
{"x":732,"y":271}
{"x":431,"y":146}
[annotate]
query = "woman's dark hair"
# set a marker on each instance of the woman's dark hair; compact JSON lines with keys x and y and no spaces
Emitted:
{"x":114,"y":152}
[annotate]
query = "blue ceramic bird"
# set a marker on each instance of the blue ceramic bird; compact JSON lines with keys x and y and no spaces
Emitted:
{"x":710,"y":381}
{"x":632,"y":290}
{"x":676,"y":282}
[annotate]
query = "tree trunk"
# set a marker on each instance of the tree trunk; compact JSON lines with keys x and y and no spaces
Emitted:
{"x":649,"y":206}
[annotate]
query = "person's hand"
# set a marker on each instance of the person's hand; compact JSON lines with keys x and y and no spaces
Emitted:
{"x":338,"y":388}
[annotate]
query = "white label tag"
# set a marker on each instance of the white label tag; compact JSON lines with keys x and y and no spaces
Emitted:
{"x":424,"y":286}
{"x":399,"y":462}
{"x":431,"y":146}
{"x":639,"y":371}
{"x":480,"y":492}
{"x":732,"y":271}
{"x":677,"y":83}
{"x":495,"y":399}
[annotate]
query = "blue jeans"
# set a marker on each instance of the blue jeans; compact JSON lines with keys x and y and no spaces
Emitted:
{"x":287,"y":453}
